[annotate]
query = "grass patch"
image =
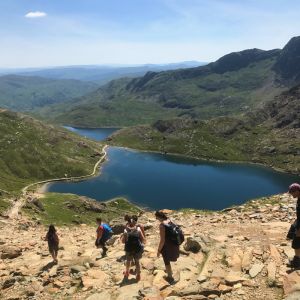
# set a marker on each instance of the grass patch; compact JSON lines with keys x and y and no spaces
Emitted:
{"x":205,"y":258}
{"x":60,"y":215}
{"x":4,"y":204}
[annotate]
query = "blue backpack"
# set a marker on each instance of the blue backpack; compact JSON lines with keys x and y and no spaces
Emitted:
{"x":107,"y":232}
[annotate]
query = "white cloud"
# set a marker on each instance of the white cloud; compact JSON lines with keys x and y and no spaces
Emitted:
{"x":37,"y":14}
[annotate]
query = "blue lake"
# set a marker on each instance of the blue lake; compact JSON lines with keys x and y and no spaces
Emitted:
{"x":94,"y":133}
{"x":163,"y":181}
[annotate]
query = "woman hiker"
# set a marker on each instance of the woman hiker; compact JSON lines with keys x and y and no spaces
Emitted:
{"x":53,"y":241}
{"x":133,"y":238}
{"x":294,"y":190}
{"x":169,"y":251}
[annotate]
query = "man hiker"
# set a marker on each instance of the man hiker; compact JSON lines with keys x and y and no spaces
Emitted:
{"x":103,"y":234}
{"x":294,"y":190}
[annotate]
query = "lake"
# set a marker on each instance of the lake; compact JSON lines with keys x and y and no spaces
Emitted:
{"x":163,"y":181}
{"x":94,"y":133}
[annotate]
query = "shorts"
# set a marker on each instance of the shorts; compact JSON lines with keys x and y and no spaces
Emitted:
{"x":296,"y":242}
{"x":130,"y":256}
{"x":53,"y":248}
{"x":101,"y":242}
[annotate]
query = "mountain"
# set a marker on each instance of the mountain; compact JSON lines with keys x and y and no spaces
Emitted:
{"x":267,"y":135}
{"x":26,"y":93}
{"x":93,"y":72}
{"x":234,"y":84}
{"x":32,"y":151}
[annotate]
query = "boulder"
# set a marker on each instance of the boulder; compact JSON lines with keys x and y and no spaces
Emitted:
{"x":10,"y":252}
{"x":38,"y":204}
{"x":117,"y":225}
{"x":256,"y":269}
{"x":190,"y":290}
{"x":271,"y":273}
{"x":97,"y":296}
{"x":195,"y":244}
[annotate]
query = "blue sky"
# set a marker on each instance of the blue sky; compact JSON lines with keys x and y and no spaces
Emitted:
{"x":139,"y":31}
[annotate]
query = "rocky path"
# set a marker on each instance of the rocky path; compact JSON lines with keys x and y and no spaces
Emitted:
{"x":239,"y":254}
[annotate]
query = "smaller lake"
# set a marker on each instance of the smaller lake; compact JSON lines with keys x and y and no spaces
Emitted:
{"x":94,"y":133}
{"x":163,"y":181}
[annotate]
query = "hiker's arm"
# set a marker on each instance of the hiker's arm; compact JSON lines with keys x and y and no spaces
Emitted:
{"x":143,"y":237}
{"x":100,"y":233}
{"x":44,"y":238}
{"x":124,"y":238}
{"x":162,"y":233}
{"x":143,"y":231}
{"x":57,"y":237}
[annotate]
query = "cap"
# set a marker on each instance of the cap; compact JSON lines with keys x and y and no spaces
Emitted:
{"x":293,"y":188}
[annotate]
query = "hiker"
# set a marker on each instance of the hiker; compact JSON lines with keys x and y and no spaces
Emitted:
{"x":166,"y":248}
{"x":135,"y":218}
{"x":294,"y":190}
{"x":133,"y":238}
{"x":53,"y":241}
{"x":103,"y":234}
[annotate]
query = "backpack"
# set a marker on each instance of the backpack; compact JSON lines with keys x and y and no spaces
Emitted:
{"x":52,"y":240}
{"x":174,"y":233}
{"x":133,"y":243}
{"x":107,"y":232}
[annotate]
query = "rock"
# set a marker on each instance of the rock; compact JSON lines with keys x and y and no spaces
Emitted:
{"x":231,"y":280}
{"x":295,"y":288}
{"x":10,"y":252}
{"x":70,"y":205}
{"x":201,"y":279}
{"x":130,"y":292}
{"x":209,"y":288}
{"x":196,"y":244}
{"x":102,"y":296}
{"x":247,"y":258}
{"x":94,"y":278}
{"x":220,"y":238}
{"x":117,"y":225}
{"x":198,"y":257}
{"x":38,"y":204}
{"x":295,"y":296}
{"x":77,"y":269}
{"x":256,"y":269}
{"x":275,"y":254}
{"x":225,"y":288}
{"x":112,"y":240}
{"x":10,"y":281}
{"x":271,"y":273}
{"x":148,"y":226}
{"x":151,"y":291}
{"x":190,"y":290}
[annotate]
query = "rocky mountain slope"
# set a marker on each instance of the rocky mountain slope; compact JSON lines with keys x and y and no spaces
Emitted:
{"x":238,"y":254}
{"x":32,"y":151}
{"x":268,"y":135}
{"x":234,"y":84}
{"x":31,"y":92}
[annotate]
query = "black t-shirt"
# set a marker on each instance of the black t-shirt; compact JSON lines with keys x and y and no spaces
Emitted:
{"x":298,"y":214}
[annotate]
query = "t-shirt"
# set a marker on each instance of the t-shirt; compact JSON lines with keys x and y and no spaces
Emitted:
{"x":100,"y":230}
{"x":298,"y":214}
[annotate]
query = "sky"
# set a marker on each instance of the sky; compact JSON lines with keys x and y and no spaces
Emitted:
{"x":42,"y":33}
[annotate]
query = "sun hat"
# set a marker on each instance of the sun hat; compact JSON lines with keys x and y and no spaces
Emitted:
{"x":293,"y":188}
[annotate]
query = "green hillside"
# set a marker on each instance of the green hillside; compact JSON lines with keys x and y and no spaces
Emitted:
{"x":33,"y":151}
{"x":268,"y":135}
{"x":30,"y":92}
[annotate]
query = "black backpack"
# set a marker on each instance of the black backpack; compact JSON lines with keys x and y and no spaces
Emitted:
{"x":52,"y":240}
{"x":174,"y":233}
{"x":133,"y":243}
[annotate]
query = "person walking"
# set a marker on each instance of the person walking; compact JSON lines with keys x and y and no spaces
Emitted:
{"x":294,"y":190}
{"x":133,"y":238}
{"x":53,"y":241}
{"x":169,"y":251}
{"x":101,"y":235}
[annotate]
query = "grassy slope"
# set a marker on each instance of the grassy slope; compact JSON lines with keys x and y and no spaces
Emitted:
{"x":268,"y":135}
{"x":190,"y":93}
{"x":32,"y":151}
{"x":26,"y":93}
{"x":57,"y":213}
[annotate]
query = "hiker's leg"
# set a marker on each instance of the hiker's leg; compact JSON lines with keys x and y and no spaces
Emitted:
{"x":137,"y":267}
{"x":127,"y":265}
{"x":169,"y":270}
{"x":53,"y":254}
{"x":297,"y":252}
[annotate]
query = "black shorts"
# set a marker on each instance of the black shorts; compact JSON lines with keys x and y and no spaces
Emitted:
{"x":163,"y":252}
{"x":101,"y":242}
{"x":296,"y":242}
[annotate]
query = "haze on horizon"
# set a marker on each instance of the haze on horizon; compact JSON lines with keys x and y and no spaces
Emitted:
{"x":38,"y":33}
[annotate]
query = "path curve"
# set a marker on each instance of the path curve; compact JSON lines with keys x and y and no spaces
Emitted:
{"x":13,"y":211}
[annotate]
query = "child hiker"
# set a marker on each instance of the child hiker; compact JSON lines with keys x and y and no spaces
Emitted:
{"x":53,"y":241}
{"x":133,"y":238}
{"x":103,"y":234}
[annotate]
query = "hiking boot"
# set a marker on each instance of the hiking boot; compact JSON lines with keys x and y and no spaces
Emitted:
{"x":169,"y":279}
{"x":294,"y":263}
{"x":138,"y":277}
{"x":104,"y":251}
{"x":126,"y":273}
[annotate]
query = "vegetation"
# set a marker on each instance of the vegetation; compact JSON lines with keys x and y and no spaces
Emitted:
{"x":268,"y":135}
{"x":56,"y":212}
{"x":26,"y":93}
{"x":232,"y":85}
{"x":31,"y":151}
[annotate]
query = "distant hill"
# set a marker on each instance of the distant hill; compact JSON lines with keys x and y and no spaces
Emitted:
{"x":26,"y":93}
{"x":268,"y":135}
{"x":92,"y":72}
{"x":235,"y":83}
{"x":33,"y":151}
